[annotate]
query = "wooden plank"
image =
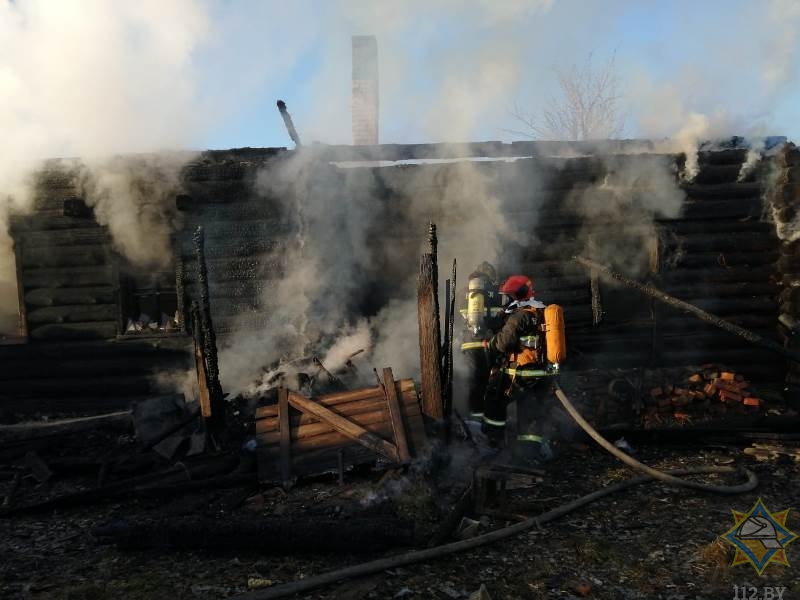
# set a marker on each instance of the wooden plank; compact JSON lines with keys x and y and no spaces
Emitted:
{"x":204,"y":397}
{"x":334,"y":439}
{"x":340,"y":398}
{"x":310,"y":430}
{"x":396,"y":416}
{"x":347,"y":410}
{"x":286,"y":440}
{"x":343,"y":426}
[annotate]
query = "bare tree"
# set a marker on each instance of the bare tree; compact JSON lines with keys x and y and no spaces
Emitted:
{"x":587,"y":107}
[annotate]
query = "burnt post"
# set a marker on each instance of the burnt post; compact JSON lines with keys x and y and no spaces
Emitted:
{"x":594,"y":286}
{"x":447,"y":359}
{"x":216,"y":421}
{"x":287,"y":121}
{"x":430,"y":340}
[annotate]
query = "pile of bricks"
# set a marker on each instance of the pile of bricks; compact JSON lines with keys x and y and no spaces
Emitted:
{"x":710,"y":389}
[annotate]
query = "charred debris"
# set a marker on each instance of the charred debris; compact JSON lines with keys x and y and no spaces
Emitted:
{"x":401,"y":468}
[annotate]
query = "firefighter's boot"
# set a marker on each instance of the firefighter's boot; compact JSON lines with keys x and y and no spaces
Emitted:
{"x":532,"y":449}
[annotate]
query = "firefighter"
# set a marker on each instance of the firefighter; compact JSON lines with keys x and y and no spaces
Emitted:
{"x":483,"y":318}
{"x":524,"y":354}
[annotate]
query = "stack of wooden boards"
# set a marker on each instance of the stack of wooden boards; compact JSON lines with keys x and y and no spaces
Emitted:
{"x":300,"y":436}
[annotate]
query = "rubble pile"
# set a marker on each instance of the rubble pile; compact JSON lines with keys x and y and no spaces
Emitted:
{"x":709,"y":391}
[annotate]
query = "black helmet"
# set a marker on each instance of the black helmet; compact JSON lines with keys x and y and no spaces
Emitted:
{"x":486,"y":270}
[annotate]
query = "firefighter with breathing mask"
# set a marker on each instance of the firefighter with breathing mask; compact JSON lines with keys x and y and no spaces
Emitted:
{"x":483,"y":318}
{"x":525,"y":353}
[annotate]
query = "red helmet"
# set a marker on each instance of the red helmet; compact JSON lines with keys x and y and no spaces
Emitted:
{"x":519,"y":287}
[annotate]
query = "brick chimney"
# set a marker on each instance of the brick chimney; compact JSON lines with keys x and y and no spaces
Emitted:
{"x":365,"y":107}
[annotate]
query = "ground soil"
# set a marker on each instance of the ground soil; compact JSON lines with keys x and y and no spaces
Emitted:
{"x":647,"y":542}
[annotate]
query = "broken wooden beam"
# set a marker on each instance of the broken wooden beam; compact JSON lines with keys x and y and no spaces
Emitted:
{"x":337,"y":398}
{"x":306,"y":434}
{"x":344,"y":426}
{"x":396,"y":416}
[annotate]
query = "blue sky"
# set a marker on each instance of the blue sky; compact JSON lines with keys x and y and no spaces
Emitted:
{"x":94,"y":77}
{"x":672,"y":59}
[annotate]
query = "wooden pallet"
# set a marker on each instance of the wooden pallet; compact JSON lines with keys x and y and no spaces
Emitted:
{"x":302,"y":436}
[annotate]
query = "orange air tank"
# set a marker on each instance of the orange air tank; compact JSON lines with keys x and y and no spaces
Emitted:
{"x":555,"y":340}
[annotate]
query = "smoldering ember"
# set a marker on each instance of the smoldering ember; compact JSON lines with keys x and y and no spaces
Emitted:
{"x":484,"y":370}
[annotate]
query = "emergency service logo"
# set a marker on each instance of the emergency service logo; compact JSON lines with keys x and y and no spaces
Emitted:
{"x":760,"y":537}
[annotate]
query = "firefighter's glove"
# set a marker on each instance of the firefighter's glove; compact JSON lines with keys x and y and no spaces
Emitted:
{"x":494,"y":355}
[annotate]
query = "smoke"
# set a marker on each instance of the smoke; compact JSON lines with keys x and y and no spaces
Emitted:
{"x":755,"y":153}
{"x":352,"y":226}
{"x":135,"y":198}
{"x":619,"y":213}
{"x":90,"y":78}
{"x":96,"y":78}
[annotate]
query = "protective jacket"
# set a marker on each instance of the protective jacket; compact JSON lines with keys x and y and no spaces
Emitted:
{"x":519,"y":345}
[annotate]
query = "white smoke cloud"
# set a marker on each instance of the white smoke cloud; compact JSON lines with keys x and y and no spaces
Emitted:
{"x":90,"y":78}
{"x":96,"y":78}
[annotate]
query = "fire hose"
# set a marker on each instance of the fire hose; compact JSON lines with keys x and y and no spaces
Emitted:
{"x":671,"y":477}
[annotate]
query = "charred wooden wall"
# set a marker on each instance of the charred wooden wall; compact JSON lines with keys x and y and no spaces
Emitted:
{"x":783,"y":198}
{"x":720,"y":253}
{"x":74,"y":361}
{"x":229,"y":195}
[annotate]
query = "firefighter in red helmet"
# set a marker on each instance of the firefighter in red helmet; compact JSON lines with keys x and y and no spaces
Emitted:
{"x":520,"y":370}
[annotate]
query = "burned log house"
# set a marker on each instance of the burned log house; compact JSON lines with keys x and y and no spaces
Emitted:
{"x":721,"y":253}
